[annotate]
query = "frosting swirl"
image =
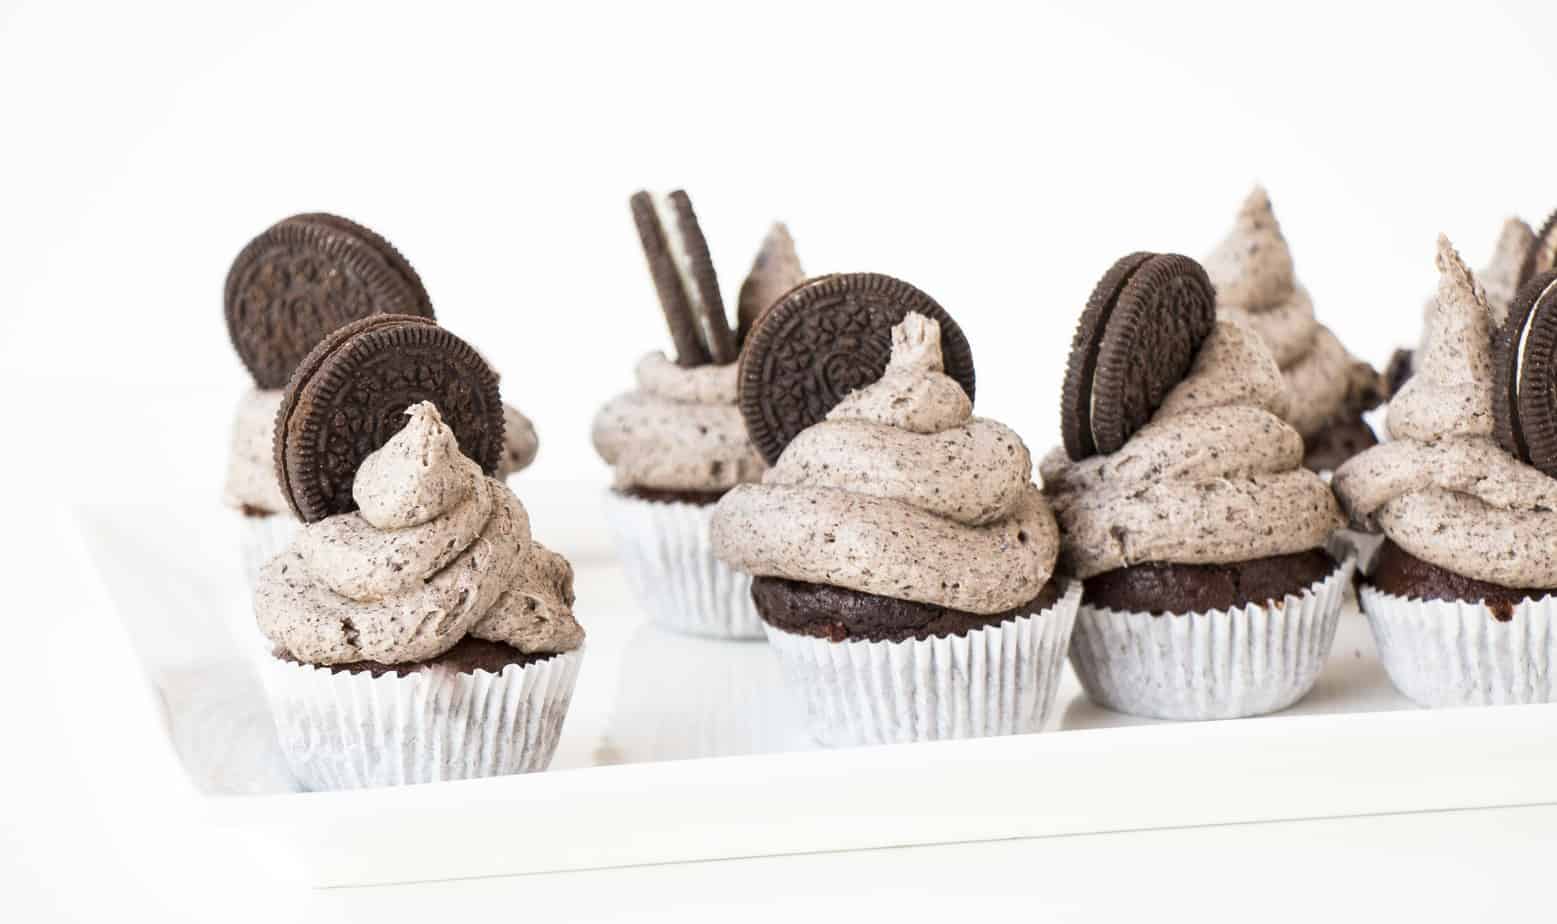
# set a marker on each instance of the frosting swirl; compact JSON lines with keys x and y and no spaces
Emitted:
{"x":680,"y":430}
{"x":1216,"y":477}
{"x":251,"y":465}
{"x":520,"y":442}
{"x":1443,"y":489}
{"x":1500,"y":278}
{"x":900,"y":492}
{"x":1255,"y":283}
{"x":436,"y":551}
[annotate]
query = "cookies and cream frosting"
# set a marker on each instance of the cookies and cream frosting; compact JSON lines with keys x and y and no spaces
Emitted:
{"x":1500,"y":278}
{"x":1442,"y":488}
{"x":251,"y":483}
{"x":437,"y":550}
{"x":1216,"y":476}
{"x":679,"y":430}
{"x":1255,"y":283}
{"x":251,"y":464}
{"x":900,"y":492}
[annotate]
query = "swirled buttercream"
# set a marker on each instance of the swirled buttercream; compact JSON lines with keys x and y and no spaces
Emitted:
{"x":1443,"y":489}
{"x":520,"y":442}
{"x":1499,"y":279}
{"x":900,"y":492}
{"x":251,"y":464}
{"x":1255,"y":283}
{"x":1216,"y":477}
{"x":679,"y":430}
{"x":436,"y":551}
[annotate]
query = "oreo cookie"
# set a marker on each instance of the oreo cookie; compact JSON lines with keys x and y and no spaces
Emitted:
{"x":304,"y":277}
{"x":684,"y":278}
{"x":350,"y":394}
{"x":1136,"y":339}
{"x":824,"y":339}
{"x":1524,"y":359}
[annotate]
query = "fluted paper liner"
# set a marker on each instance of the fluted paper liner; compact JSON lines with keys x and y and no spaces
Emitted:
{"x":667,"y":550}
{"x":1221,"y":664}
{"x":342,"y":730}
{"x":1456,"y":653}
{"x":995,"y":680}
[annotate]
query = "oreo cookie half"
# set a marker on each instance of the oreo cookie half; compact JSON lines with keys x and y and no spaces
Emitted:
{"x":1524,"y":359}
{"x":824,"y":339}
{"x":350,"y":394}
{"x":1136,"y":339}
{"x":684,"y":278}
{"x":304,"y":277}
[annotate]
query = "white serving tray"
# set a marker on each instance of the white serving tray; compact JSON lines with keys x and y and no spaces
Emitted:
{"x":681,"y":749}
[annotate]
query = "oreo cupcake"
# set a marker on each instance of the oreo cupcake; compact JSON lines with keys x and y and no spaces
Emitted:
{"x":676,"y":443}
{"x":1330,"y":389}
{"x":419,"y":632}
{"x":1185,"y":509}
{"x":1460,"y":599}
{"x":300,"y":280}
{"x":903,"y":560}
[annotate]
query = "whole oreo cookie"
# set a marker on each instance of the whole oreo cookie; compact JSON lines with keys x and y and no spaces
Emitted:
{"x":824,"y":339}
{"x":684,"y":278}
{"x":1136,"y":339}
{"x":350,"y":394}
{"x":1524,"y":395}
{"x":304,"y":277}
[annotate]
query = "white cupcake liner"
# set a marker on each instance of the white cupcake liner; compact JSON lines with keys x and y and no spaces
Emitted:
{"x":1222,"y":664}
{"x":995,"y":680}
{"x":1456,"y":653}
{"x":342,"y":730}
{"x":667,"y":550}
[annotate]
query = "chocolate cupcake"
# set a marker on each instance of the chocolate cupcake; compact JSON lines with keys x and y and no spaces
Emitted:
{"x":296,"y":283}
{"x":1461,"y":598}
{"x":903,"y":560}
{"x":424,"y":635}
{"x":1200,"y":539}
{"x":1330,"y":389}
{"x":676,"y":443}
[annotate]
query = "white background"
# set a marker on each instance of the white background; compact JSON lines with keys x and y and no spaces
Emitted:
{"x":998,"y":158}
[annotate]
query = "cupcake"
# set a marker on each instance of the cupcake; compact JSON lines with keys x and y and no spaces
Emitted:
{"x":420,"y":633}
{"x":1460,"y":598}
{"x":903,"y":560}
{"x":676,"y":443}
{"x":1185,"y":509}
{"x":1330,"y":389}
{"x":300,"y":280}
